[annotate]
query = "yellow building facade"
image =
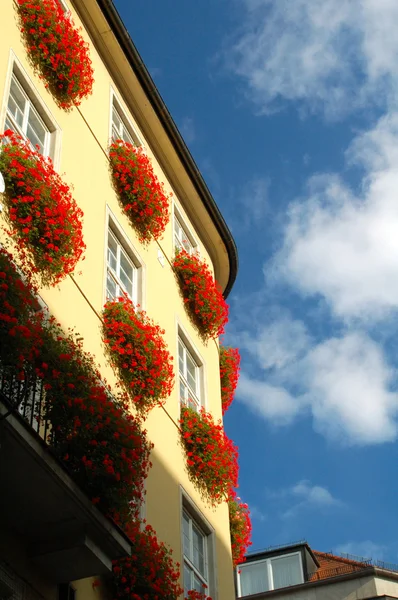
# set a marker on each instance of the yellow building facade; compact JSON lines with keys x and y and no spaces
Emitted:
{"x":124,"y":103}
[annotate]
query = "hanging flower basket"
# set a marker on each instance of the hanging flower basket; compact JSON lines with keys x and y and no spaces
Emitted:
{"x":229,"y":375}
{"x":56,"y":50}
{"x":20,"y":326}
{"x":141,"y":195}
{"x":91,"y":432}
{"x":240,"y":528}
{"x":149,"y":573}
{"x":212,"y":458}
{"x":202,"y":296}
{"x":42,"y":215}
{"x":138,"y":353}
{"x":103,"y":446}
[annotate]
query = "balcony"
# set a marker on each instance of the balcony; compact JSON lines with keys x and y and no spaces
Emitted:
{"x":62,"y":532}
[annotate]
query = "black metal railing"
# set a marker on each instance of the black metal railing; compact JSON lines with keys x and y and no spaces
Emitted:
{"x":23,"y":394}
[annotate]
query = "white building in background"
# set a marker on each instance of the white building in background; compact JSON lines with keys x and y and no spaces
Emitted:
{"x":296,"y":572}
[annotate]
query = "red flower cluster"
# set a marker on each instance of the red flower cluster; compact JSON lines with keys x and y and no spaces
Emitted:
{"x":41,"y":212}
{"x":141,"y":195}
{"x":212,"y":458}
{"x":56,"y":50}
{"x":195,"y":595}
{"x":202,"y":296}
{"x":18,"y":322}
{"x":229,"y":375}
{"x":92,"y":433}
{"x":240,"y":528}
{"x":100,"y":442}
{"x":138,"y":353}
{"x":149,"y":573}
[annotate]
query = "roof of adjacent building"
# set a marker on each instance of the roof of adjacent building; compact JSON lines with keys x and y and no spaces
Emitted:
{"x":331,"y":565}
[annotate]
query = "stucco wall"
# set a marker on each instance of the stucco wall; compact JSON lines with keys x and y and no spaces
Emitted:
{"x":84,"y":165}
{"x":354,"y":589}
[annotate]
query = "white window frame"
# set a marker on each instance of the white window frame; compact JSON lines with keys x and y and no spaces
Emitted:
{"x":182,"y":222}
{"x":188,"y":350}
{"x":268,"y":566}
{"x":125,"y":245}
{"x":204,"y":578}
{"x":125,"y":121}
{"x":64,"y":6}
{"x":191,"y":510}
{"x":52,"y":145}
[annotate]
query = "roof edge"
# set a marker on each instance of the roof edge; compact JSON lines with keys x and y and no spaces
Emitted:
{"x":123,"y":37}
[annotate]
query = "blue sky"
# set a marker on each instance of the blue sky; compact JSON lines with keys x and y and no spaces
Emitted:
{"x":290,"y":110}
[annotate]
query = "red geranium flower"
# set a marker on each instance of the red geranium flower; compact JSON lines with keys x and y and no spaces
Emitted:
{"x":56,"y":50}
{"x":229,"y":375}
{"x":202,"y":296}
{"x":138,"y":353}
{"x":141,"y":195}
{"x":212,"y":458}
{"x":42,"y":215}
{"x":240,"y":528}
{"x":150,"y":572}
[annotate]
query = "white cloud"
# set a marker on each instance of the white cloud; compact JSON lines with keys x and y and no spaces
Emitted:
{"x":188,"y":130}
{"x":276,"y":344}
{"x":349,"y":390}
{"x":331,"y":54}
{"x":366,"y":549}
{"x":254,"y":199}
{"x":304,"y":495}
{"x":273,"y":403}
{"x":343,"y":245}
{"x":257,"y":514}
{"x":345,"y":383}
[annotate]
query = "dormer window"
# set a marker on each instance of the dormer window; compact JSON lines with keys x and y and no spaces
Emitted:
{"x":270,"y":573}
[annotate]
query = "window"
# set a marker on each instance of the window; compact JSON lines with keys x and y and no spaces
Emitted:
{"x":121,"y":127}
{"x":64,"y":6}
{"x":66,"y":592}
{"x":23,"y":117}
{"x":182,"y":240}
{"x":122,"y":272}
{"x":189,"y":370}
{"x":195,"y":551}
{"x":270,"y":574}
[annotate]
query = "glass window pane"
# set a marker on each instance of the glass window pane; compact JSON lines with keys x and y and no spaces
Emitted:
{"x":192,"y":403}
{"x":111,"y":288}
{"x":187,"y":579}
{"x":198,"y":550}
{"x":177,"y":228}
{"x":177,"y":242}
{"x":16,"y":102}
{"x":116,"y":122}
{"x":126,"y":136}
{"x":126,"y":265}
{"x":187,"y":244}
{"x":15,"y":111}
{"x":34,"y":139}
{"x":126,"y":281}
{"x":112,"y":252}
{"x":191,"y":374}
{"x":36,"y":128}
{"x":8,"y":125}
{"x":183,"y":391}
{"x":253,"y":578}
{"x":185,"y":529}
{"x":286,"y":571}
{"x":181,"y":352}
{"x":198,"y":584}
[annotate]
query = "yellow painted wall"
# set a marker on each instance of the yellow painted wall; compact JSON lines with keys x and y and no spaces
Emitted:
{"x":84,"y":165}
